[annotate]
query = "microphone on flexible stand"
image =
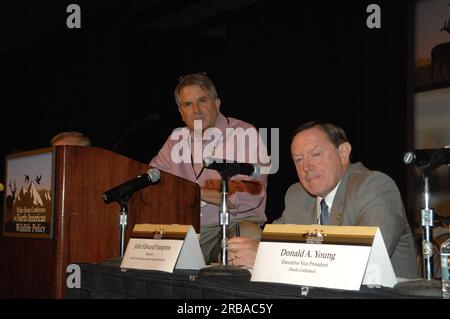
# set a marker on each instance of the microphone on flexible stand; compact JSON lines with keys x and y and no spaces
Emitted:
{"x":226,"y":170}
{"x":428,"y":158}
{"x":130,"y":187}
{"x":122,"y":194}
{"x":149,"y":119}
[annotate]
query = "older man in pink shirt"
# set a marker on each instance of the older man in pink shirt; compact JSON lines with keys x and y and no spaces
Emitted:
{"x":208,"y":133}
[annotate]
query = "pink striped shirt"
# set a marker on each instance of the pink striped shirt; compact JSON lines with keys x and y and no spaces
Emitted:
{"x":223,"y":146}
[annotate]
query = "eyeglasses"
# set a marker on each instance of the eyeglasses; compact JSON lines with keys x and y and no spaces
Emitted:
{"x":181,"y":78}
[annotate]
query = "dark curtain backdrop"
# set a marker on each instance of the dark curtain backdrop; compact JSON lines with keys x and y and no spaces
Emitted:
{"x":276,"y":64}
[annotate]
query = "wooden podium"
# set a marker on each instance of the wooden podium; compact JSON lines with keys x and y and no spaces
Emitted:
{"x":86,"y":230}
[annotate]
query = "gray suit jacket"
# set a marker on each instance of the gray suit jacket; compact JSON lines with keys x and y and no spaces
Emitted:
{"x":364,"y":198}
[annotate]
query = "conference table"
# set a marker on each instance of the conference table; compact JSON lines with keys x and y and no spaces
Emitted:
{"x":108,"y":280}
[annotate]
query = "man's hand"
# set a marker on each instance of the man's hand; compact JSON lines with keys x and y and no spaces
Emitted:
{"x":213,"y":196}
{"x":253,"y":187}
{"x":242,"y":251}
{"x":210,"y":192}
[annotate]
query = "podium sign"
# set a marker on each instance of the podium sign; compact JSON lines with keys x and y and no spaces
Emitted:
{"x":164,"y":248}
{"x":340,"y":257}
{"x":28,"y":205}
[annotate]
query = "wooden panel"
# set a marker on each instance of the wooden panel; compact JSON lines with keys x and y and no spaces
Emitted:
{"x":184,"y":202}
{"x":23,"y":276}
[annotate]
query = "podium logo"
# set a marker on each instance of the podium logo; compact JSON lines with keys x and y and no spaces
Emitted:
{"x":74,"y":279}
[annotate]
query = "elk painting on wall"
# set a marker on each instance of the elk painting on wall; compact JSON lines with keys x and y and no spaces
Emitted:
{"x":432,"y":100}
{"x":432,"y":44}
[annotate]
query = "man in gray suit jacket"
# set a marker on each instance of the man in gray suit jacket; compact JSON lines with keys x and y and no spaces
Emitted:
{"x":332,"y":191}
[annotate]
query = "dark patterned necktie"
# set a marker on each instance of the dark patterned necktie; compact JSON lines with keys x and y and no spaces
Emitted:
{"x":323,"y":212}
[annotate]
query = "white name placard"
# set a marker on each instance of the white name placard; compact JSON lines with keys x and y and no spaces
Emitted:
{"x":353,"y":257}
{"x":164,"y":253}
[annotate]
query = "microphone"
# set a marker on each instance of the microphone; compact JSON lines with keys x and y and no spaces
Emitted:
{"x":231,"y":168}
{"x":129,"y":188}
{"x":149,"y":118}
{"x":428,"y":158}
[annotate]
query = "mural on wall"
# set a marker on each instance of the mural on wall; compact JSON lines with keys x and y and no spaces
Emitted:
{"x":432,"y":44}
{"x":432,"y":130}
{"x":432,"y":108}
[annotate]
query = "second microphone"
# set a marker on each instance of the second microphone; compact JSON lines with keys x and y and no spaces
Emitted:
{"x":230,"y":169}
{"x":128,"y":188}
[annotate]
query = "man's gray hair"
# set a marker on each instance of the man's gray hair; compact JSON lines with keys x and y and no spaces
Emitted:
{"x":199,"y":79}
{"x":83,"y":139}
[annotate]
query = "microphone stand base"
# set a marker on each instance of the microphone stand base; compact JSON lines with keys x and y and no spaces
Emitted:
{"x":420,"y":287}
{"x":221,"y":270}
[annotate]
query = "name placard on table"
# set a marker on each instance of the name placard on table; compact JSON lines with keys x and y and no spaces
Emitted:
{"x":340,"y":257}
{"x":163,"y":247}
